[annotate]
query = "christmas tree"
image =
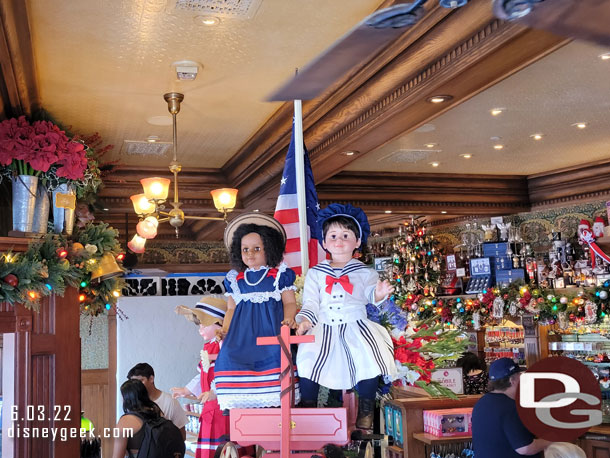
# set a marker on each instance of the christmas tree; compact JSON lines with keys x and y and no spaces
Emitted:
{"x":416,"y":268}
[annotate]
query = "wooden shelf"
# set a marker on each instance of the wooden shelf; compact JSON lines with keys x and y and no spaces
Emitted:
{"x":191,"y":414}
{"x":432,"y":439}
{"x":396,"y":449}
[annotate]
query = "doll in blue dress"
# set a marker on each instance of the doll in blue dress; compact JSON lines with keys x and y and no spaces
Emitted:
{"x":260,"y":299}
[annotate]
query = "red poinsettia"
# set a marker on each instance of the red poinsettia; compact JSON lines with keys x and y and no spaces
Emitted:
{"x":33,"y":148}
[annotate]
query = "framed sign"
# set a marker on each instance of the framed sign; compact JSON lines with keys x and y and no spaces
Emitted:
{"x":381,"y":264}
{"x":450,"y":378}
{"x":480,"y":266}
{"x":451,"y":265}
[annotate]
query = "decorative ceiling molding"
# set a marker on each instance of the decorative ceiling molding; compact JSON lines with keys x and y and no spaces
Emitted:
{"x":18,"y":85}
{"x":588,"y":181}
{"x":392,"y":101}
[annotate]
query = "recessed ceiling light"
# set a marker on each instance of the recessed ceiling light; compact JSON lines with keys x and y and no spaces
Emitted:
{"x":439,"y":98}
{"x":605,"y":56}
{"x":349,"y":153}
{"x":537,"y":136}
{"x":580,"y":125}
{"x":444,"y":212}
{"x":498,"y":147}
{"x":152,"y":139}
{"x":431,"y":145}
{"x":497,"y":111}
{"x":207,"y":20}
{"x":388,"y":211}
{"x":435,"y":164}
{"x":466,"y":156}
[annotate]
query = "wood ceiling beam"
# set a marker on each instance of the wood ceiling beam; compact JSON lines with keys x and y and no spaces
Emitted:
{"x":589,"y":181}
{"x":392,"y":102}
{"x":18,"y":84}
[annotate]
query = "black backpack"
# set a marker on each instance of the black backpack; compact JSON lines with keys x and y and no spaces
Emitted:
{"x":162,"y":439}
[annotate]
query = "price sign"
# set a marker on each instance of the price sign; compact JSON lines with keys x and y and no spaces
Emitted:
{"x":65,"y":201}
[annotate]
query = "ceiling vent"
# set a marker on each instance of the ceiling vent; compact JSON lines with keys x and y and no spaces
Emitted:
{"x":239,"y":9}
{"x":138,"y":148}
{"x":406,"y":155}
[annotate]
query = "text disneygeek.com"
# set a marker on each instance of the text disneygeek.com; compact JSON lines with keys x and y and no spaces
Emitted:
{"x":64,"y":434}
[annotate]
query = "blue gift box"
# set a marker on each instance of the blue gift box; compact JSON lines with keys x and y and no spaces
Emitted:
{"x":389,"y":419}
{"x":495,"y":249}
{"x":398,"y":427}
{"x":505,"y":277}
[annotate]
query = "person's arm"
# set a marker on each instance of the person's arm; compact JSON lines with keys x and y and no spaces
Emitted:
{"x":127,"y":425}
{"x":183,"y":432}
{"x":536,"y":446}
{"x":290,"y":308}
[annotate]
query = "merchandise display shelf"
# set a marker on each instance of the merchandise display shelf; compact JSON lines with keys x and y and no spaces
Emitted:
{"x":431,"y":439}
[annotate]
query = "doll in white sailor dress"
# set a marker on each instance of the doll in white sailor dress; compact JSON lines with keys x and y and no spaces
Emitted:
{"x":350,"y":351}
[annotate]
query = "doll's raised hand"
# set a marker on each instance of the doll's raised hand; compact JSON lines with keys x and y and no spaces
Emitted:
{"x":383,"y":289}
{"x":206,"y":396}
{"x":181,"y":392}
{"x":303,"y":327}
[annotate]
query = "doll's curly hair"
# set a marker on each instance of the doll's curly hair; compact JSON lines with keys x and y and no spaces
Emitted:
{"x":273,"y":243}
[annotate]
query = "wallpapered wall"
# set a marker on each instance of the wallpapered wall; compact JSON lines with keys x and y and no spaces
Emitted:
{"x":535,"y":227}
{"x":168,"y":252}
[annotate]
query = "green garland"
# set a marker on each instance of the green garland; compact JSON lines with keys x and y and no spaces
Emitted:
{"x":580,"y":306}
{"x":55,"y":262}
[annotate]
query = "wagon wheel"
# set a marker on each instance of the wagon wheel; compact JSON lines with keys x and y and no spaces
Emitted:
{"x":226,"y":450}
{"x":365,"y":450}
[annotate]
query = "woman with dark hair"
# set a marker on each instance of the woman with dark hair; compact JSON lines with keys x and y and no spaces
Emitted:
{"x":474,"y":373}
{"x":139,"y":409}
{"x":261,"y":299}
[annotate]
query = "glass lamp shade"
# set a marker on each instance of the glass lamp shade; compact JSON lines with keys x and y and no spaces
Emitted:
{"x":141,"y":204}
{"x":224,"y":199}
{"x":148,"y":227}
{"x":156,"y":188}
{"x":136,"y":244}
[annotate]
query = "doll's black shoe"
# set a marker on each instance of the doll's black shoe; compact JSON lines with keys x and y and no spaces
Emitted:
{"x":366,"y":413}
{"x":226,"y":413}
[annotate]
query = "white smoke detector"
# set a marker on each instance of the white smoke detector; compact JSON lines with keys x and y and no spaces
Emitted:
{"x":186,"y":70}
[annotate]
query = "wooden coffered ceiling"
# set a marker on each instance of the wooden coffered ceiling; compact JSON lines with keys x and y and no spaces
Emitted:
{"x":381,"y":103}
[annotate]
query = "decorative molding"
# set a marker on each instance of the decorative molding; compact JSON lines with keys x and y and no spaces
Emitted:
{"x":587,"y":181}
{"x":18,"y":85}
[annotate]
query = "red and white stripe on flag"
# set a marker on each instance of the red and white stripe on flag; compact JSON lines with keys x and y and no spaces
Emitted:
{"x":287,"y":213}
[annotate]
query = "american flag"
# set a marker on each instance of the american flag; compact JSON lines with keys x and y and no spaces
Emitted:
{"x":286,"y":212}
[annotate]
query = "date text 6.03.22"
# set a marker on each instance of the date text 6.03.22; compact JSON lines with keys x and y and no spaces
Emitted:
{"x":41,"y":413}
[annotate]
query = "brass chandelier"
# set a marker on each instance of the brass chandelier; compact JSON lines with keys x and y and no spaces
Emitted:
{"x":150,"y":205}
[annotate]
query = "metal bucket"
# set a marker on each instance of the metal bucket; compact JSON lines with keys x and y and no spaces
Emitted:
{"x":63,"y":218}
{"x":24,"y":201}
{"x":41,"y":211}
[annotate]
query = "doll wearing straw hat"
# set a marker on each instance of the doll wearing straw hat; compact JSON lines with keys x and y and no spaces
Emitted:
{"x":208,"y":314}
{"x":261,"y":299}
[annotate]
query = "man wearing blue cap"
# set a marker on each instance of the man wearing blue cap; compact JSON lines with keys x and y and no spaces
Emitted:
{"x":497,"y":430}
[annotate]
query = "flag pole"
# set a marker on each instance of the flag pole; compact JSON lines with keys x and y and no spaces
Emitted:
{"x":299,"y":161}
